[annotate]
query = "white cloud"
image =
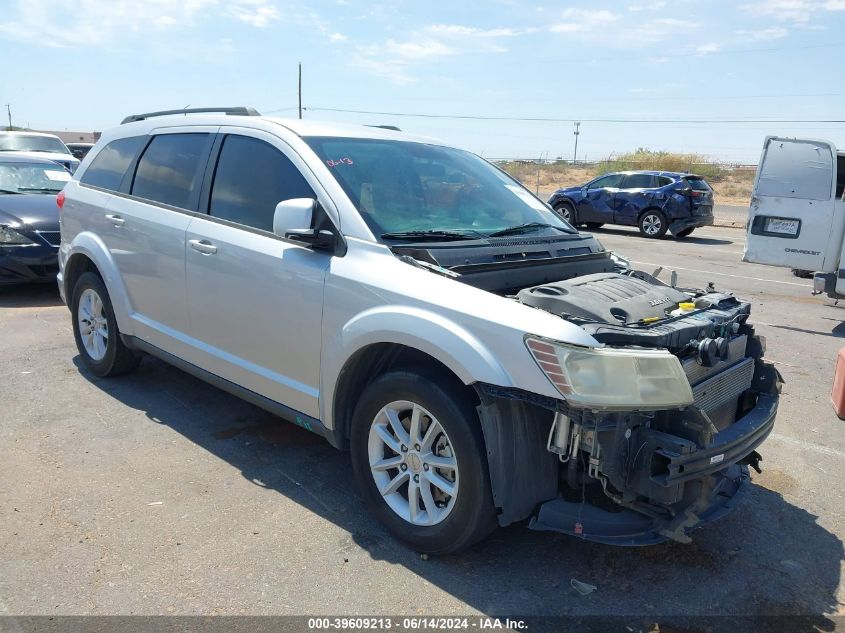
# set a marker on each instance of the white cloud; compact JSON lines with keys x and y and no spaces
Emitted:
{"x":257,"y":14}
{"x":772,"y":33}
{"x":455,"y":30}
{"x":629,"y":30}
{"x":579,"y":20}
{"x":706,"y":49}
{"x":797,"y":11}
{"x":56,"y":23}
{"x":395,"y":59}
{"x":654,"y":6}
{"x":338,"y":37}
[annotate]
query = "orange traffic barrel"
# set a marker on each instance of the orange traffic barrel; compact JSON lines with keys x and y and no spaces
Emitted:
{"x":837,"y":396}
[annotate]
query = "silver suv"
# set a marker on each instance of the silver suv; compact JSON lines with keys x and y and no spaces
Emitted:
{"x":484,"y":362}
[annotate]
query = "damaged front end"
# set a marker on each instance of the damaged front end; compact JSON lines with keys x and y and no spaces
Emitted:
{"x":701,"y":401}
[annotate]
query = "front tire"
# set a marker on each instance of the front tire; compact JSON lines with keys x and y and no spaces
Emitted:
{"x":653,"y":224}
{"x":567,"y":212}
{"x":95,"y":330}
{"x":419,"y":462}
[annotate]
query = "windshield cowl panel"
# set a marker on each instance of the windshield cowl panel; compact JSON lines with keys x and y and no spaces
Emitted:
{"x":412,"y":191}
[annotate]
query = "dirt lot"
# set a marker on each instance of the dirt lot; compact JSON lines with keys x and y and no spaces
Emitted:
{"x":158,"y":494}
{"x":732,"y":187}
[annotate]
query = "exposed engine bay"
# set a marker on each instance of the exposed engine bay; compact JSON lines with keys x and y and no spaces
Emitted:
{"x":631,"y":477}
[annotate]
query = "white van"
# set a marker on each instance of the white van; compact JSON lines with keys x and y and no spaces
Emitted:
{"x":797,"y":214}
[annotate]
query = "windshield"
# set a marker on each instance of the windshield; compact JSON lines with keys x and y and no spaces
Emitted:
{"x":400,"y":187}
{"x":30,"y":143}
{"x":32,"y":178}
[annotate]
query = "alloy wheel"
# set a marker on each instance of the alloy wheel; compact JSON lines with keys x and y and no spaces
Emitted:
{"x":652,"y":224}
{"x":412,"y":463}
{"x":93,"y":325}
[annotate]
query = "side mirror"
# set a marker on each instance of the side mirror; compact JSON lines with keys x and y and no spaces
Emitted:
{"x":293,"y":220}
{"x":293,"y":214}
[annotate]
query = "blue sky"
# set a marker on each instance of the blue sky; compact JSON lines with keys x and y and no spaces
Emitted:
{"x":85,"y":64}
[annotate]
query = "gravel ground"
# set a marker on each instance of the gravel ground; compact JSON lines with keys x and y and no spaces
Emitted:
{"x":158,"y":494}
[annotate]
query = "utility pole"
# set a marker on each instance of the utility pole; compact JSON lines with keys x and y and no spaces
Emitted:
{"x":9,"y":112}
{"x":576,"y":133}
{"x":300,"y":90}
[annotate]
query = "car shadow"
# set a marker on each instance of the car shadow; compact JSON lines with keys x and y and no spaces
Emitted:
{"x":42,"y":295}
{"x":633,"y":232}
{"x":770,"y":557}
{"x":837,"y":332}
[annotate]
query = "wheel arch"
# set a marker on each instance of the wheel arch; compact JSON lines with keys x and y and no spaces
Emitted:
{"x":651,"y":207}
{"x":373,"y":361}
{"x":89,"y":254}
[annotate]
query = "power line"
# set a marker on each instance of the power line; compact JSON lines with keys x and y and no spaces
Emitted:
{"x":571,"y":120}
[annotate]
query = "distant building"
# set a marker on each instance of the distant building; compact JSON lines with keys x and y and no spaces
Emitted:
{"x":74,"y":137}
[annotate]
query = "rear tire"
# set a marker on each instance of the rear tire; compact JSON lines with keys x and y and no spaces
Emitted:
{"x":403,"y":473}
{"x":653,"y":224}
{"x":594,"y":225}
{"x":685,"y":233}
{"x":567,"y":212}
{"x":95,"y":330}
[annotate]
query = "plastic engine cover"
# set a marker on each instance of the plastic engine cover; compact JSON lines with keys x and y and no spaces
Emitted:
{"x":604,"y":297}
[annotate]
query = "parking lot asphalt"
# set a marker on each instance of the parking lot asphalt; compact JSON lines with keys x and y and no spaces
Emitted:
{"x":158,"y":494}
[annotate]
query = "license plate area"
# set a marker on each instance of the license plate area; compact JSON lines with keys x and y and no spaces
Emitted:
{"x":776,"y":226}
{"x":782,"y":226}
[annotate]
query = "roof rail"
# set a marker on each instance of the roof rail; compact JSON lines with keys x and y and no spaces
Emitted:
{"x":386,"y":127}
{"x":237,"y":110}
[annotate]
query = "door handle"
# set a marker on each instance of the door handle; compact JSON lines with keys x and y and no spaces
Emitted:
{"x":116,"y":220}
{"x":203,"y":246}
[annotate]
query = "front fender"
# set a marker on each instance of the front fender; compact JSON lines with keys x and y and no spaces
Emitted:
{"x":432,"y":333}
{"x":89,"y":245}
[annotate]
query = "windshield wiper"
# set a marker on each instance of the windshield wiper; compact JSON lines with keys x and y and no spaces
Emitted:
{"x":434,"y":236}
{"x":8,"y":191}
{"x":45,"y":189}
{"x":526,"y":228}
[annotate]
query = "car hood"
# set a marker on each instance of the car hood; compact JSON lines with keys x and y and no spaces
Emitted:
{"x":35,"y":211}
{"x":570,"y":189}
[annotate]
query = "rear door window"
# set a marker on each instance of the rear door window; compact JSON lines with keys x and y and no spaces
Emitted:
{"x":109,"y":166}
{"x":796,"y":169}
{"x":251,"y":178}
{"x":662,"y":181}
{"x":168,"y":172}
{"x":638,"y":181}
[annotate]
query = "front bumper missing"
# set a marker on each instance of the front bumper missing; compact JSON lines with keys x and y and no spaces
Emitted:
{"x":721,"y":481}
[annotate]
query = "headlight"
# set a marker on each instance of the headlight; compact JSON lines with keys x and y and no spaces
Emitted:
{"x":11,"y":237}
{"x":606,"y":378}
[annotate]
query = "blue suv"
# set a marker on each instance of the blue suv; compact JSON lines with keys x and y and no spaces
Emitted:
{"x":654,"y":201}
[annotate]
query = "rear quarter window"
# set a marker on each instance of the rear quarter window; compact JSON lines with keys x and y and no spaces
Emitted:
{"x":110,"y":164}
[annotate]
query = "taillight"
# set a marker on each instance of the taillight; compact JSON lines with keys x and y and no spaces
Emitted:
{"x":60,"y":199}
{"x":695,"y":193}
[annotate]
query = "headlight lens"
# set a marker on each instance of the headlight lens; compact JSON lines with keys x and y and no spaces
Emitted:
{"x":607,"y":378}
{"x":10,"y":236}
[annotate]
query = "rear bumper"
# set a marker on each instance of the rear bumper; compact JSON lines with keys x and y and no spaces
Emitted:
{"x":723,"y":483}
{"x":28,"y":264}
{"x":690,"y":223}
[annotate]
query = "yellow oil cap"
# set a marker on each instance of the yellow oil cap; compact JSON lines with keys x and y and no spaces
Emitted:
{"x":686,"y":306}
